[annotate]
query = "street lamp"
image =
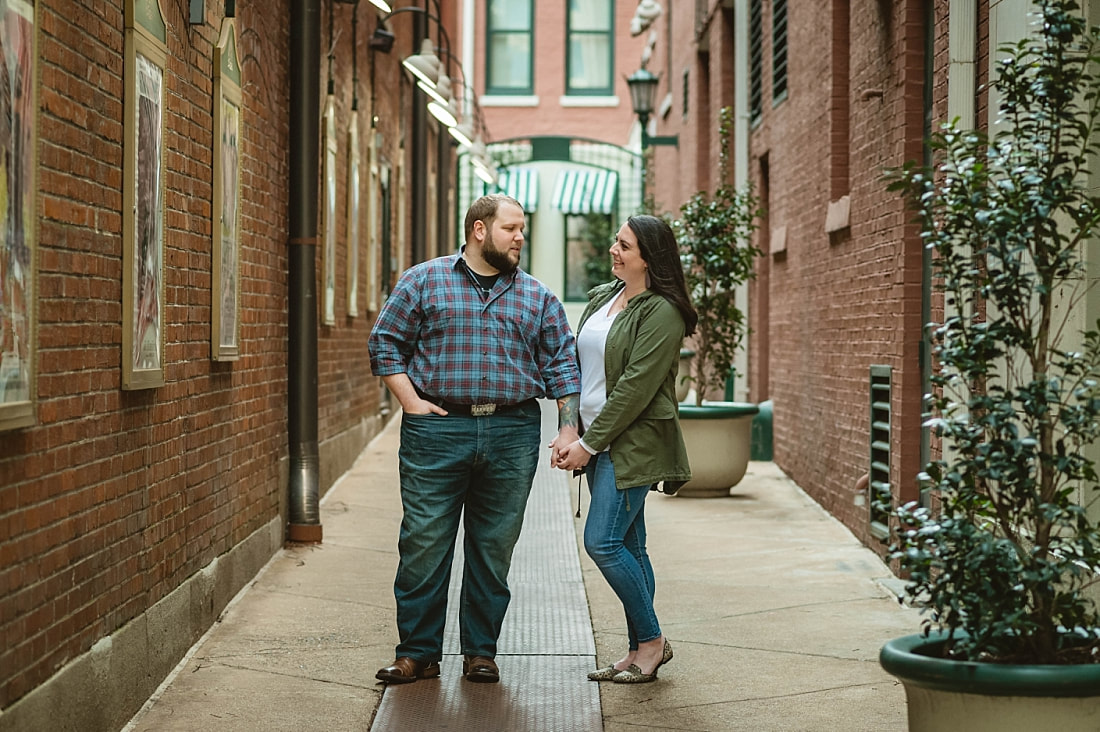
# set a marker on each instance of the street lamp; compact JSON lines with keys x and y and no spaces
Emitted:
{"x":643,"y":90}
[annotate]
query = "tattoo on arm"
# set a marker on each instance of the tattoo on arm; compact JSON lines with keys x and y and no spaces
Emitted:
{"x":569,"y":411}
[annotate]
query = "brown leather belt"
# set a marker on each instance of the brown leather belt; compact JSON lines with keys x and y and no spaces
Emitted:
{"x":473,"y":410}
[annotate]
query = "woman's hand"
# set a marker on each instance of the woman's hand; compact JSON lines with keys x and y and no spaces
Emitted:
{"x":572,"y":457}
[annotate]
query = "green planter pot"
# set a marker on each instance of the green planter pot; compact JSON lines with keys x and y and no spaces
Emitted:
{"x":683,"y":374}
{"x":718,"y":436}
{"x":946,"y":695}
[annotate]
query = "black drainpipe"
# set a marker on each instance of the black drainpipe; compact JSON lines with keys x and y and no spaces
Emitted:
{"x":419,"y":137}
{"x":304,"y":514}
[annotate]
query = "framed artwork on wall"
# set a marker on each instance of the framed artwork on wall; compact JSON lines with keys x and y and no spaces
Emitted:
{"x":225,"y":281}
{"x":353,"y":216}
{"x":374,"y":253}
{"x":328,"y":255}
{"x":385,"y":233}
{"x":18,"y":212}
{"x":401,"y":232}
{"x":143,"y":196}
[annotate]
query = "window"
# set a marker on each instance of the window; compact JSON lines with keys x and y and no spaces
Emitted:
{"x":589,"y":38}
{"x":756,"y":58}
{"x":587,"y":261}
{"x":510,"y":54}
{"x":779,"y":50}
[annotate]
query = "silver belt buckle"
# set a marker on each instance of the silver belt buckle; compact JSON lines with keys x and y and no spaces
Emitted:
{"x":482,"y":410}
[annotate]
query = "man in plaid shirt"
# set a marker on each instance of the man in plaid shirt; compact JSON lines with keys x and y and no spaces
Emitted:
{"x":467,"y":343}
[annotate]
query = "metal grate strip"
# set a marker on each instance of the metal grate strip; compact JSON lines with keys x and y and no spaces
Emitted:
{"x":546,"y":645}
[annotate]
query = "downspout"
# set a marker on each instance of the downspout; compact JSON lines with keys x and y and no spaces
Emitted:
{"x":741,"y":157}
{"x":418,"y":137}
{"x":305,"y":98}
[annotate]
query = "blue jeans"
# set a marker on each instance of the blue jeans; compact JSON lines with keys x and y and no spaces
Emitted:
{"x":614,"y":536}
{"x":484,"y":465}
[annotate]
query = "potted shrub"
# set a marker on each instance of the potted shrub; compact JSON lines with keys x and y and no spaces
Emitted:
{"x":1003,"y":561}
{"x":714,"y":232}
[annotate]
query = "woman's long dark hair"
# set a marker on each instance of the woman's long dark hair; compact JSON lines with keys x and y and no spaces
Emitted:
{"x":657,"y":244}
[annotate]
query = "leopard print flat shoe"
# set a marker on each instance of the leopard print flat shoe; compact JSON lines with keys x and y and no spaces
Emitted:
{"x":604,"y":674}
{"x":634,"y":675}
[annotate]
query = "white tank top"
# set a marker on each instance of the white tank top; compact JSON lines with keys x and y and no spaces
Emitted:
{"x":591,"y":346}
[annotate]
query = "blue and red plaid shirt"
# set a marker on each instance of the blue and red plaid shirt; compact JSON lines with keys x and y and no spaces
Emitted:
{"x":459,"y":345}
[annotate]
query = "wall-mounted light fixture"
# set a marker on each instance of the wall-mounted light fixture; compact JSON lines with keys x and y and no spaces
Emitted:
{"x":643,"y":92}
{"x":425,"y":66}
{"x":484,"y":166}
{"x":463,"y":133}
{"x":433,"y":78}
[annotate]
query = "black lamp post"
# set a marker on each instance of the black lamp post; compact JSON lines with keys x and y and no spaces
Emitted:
{"x":643,"y":90}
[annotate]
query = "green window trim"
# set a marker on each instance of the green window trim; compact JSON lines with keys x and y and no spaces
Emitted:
{"x":574,"y":37}
{"x":516,"y":36}
{"x":587,"y":262}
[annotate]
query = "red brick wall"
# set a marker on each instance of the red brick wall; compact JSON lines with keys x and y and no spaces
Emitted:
{"x":826,"y":307}
{"x":114,"y":498}
{"x":678,"y":172}
{"x":837,"y":304}
{"x":606,"y":124}
{"x":346,"y":389}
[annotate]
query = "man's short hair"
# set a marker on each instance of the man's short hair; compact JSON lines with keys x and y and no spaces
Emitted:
{"x":485,"y":209}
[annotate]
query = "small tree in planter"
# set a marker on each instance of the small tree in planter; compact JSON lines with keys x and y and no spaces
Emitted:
{"x":714,"y":233}
{"x":1009,"y":555}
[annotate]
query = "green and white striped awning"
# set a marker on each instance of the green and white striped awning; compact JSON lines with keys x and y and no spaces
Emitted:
{"x":521,"y":184}
{"x":586,"y":191}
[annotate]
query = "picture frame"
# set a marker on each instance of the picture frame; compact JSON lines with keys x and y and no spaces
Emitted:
{"x":225,"y":280}
{"x":402,"y":226}
{"x":374,"y":246}
{"x":328,"y":246}
{"x":354,"y":213}
{"x":143,"y":207}
{"x":18,"y":212}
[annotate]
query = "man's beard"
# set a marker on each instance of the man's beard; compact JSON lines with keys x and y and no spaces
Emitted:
{"x":497,"y":258}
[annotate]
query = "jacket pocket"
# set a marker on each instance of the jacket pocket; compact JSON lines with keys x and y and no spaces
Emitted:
{"x":659,"y":408}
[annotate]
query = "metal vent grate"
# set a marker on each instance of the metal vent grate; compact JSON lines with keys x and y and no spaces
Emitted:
{"x":881,"y":497}
{"x":546,"y":646}
{"x":779,"y":49}
{"x":756,"y":59}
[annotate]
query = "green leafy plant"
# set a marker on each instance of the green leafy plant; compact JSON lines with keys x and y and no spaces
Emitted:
{"x":597,"y":267}
{"x":1009,"y":556}
{"x":714,"y":233}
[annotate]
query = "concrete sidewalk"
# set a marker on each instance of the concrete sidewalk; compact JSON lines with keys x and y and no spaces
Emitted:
{"x":774,"y":610}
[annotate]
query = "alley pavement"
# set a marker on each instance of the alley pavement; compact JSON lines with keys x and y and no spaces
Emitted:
{"x":775,"y":612}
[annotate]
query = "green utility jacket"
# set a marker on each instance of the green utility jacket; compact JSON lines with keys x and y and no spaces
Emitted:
{"x":640,"y":420}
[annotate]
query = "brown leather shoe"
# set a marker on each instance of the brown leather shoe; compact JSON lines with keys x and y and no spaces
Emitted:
{"x":481,"y":669}
{"x":406,"y":670}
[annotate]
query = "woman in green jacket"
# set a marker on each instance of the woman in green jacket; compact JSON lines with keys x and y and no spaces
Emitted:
{"x":628,"y":344}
